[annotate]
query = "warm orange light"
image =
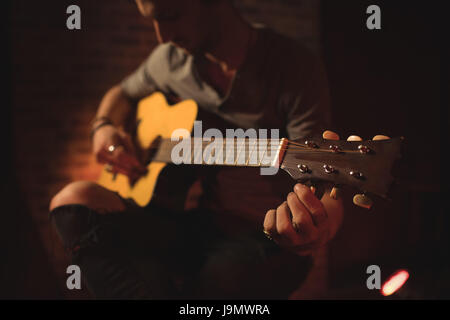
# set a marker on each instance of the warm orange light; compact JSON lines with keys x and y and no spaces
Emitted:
{"x":395,"y":282}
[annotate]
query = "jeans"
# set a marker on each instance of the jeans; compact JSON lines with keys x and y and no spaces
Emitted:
{"x":154,"y":253}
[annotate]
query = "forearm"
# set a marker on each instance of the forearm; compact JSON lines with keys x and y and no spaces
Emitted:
{"x":115,"y":106}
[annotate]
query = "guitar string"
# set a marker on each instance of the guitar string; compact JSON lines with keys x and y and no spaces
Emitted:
{"x":276,"y":140}
{"x":241,"y":164}
{"x":269,"y":159}
{"x":249,"y":150}
{"x":295,"y":146}
{"x":260,"y":148}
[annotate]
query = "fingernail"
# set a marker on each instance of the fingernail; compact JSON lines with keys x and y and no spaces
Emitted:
{"x":362,"y":201}
{"x":334,"y":194}
{"x":313,"y":189}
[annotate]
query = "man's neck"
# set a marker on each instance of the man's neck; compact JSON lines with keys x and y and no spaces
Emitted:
{"x":234,"y":39}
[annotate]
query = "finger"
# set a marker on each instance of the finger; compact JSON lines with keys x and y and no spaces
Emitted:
{"x":330,"y":135}
{"x":125,"y":159}
{"x":284,"y":222}
{"x":118,"y":164}
{"x":118,"y":157}
{"x":354,"y":138}
{"x":362,"y":201}
{"x":335,"y":193}
{"x":127,"y":142}
{"x":311,"y":203}
{"x":270,"y":223}
{"x":124,"y":163}
{"x":301,"y":219}
{"x":131,"y":161}
{"x":102,"y":156}
{"x":114,"y":165}
{"x":130,"y":157}
{"x":380,"y":137}
{"x":118,"y":167}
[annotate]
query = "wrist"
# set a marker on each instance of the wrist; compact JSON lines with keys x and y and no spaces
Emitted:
{"x":99,"y":120}
{"x":98,"y":123}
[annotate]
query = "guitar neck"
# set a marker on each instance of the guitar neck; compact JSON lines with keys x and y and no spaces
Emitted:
{"x":222,"y":152}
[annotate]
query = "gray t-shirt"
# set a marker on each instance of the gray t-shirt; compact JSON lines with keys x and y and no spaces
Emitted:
{"x":281,"y":85}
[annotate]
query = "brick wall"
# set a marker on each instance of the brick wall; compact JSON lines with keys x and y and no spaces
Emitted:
{"x":59,"y":77}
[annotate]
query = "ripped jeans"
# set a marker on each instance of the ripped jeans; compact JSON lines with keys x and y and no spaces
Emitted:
{"x":153,"y":253}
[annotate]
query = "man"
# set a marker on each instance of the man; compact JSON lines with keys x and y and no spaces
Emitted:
{"x":249,"y":78}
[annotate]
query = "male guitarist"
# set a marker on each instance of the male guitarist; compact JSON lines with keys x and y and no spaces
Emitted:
{"x":249,"y":78}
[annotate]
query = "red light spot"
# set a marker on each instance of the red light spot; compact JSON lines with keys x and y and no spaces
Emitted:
{"x":394,"y":283}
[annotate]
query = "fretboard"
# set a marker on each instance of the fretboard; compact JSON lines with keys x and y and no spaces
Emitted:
{"x":222,"y":152}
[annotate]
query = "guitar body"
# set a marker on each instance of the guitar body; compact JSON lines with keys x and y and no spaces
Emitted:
{"x":156,"y":119}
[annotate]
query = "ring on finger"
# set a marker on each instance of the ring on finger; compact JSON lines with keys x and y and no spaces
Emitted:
{"x":268,"y":235}
{"x":112,"y":148}
{"x":296,"y":227}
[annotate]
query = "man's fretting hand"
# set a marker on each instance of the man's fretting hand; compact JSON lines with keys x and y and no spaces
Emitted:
{"x":304,"y":223}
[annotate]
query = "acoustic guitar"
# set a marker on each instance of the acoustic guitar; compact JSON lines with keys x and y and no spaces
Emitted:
{"x":364,"y":165}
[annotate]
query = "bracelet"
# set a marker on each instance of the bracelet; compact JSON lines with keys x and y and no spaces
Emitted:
{"x":105,"y":122}
{"x":103,"y":118}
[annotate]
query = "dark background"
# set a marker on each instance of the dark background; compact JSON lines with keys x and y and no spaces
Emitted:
{"x":391,"y":81}
{"x":388,"y":81}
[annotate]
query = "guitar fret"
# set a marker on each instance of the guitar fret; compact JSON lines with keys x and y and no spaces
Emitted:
{"x":238,"y":151}
{"x":192,"y":153}
{"x":227,"y":154}
{"x":207,"y":161}
{"x":251,"y":151}
{"x":198,"y":153}
{"x":220,"y":156}
{"x":262,"y":156}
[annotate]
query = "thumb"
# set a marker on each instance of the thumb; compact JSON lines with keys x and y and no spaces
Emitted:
{"x":127,"y":142}
{"x":330,"y":135}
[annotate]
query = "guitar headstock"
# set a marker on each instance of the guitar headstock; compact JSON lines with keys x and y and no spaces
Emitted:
{"x":365,"y":165}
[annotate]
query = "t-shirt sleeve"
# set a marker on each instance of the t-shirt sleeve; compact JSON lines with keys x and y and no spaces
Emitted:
{"x":150,"y":76}
{"x":138,"y":84}
{"x":308,"y":110}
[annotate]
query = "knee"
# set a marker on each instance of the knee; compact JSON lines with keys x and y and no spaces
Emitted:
{"x":75,"y":209}
{"x":88,"y":194}
{"x":74,"y":193}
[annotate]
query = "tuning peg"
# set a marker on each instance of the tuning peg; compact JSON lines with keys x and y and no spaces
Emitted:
{"x":362,"y":201}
